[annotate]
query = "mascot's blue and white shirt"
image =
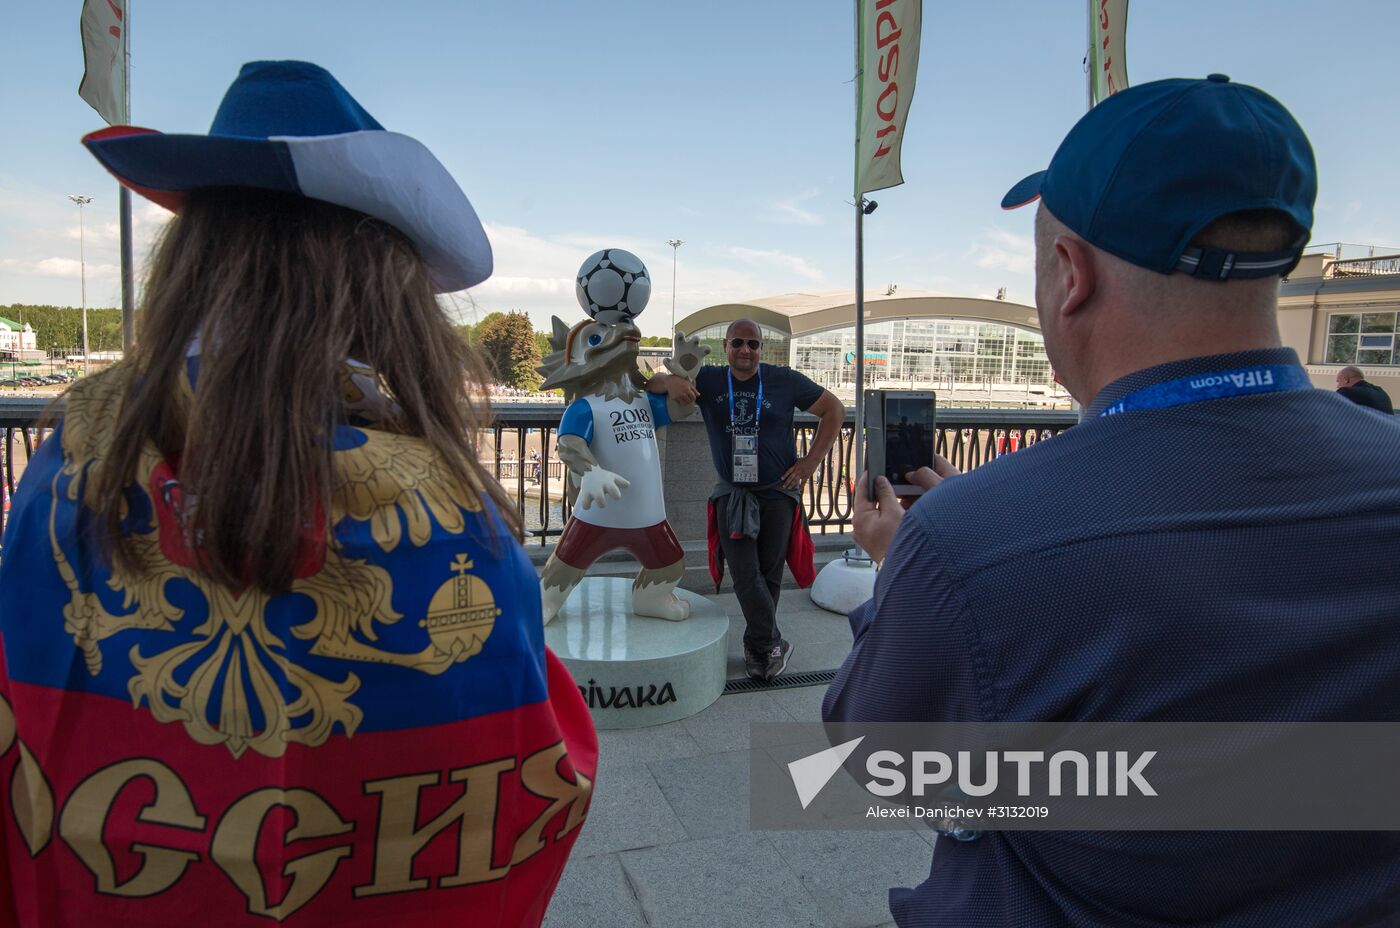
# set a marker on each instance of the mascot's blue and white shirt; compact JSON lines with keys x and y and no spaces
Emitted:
{"x":622,"y":436}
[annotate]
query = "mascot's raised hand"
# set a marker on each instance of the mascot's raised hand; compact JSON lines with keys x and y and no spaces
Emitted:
{"x":597,"y":486}
{"x":607,"y":441}
{"x":687,"y":356}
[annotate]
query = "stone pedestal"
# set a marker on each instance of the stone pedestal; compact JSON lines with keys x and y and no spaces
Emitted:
{"x":635,"y":671}
{"x":687,"y":476}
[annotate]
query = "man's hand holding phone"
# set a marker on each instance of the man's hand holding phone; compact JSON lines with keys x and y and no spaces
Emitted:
{"x":875,"y":522}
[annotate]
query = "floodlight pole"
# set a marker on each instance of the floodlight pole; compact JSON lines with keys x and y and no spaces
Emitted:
{"x":82,"y":274}
{"x":675,"y":244}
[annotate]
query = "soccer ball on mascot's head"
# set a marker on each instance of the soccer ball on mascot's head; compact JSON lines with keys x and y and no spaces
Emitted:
{"x":613,"y":285}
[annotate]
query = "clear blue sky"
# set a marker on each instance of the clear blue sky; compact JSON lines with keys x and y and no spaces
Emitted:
{"x":576,"y":126}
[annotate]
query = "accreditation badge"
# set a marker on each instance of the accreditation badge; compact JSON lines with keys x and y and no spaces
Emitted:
{"x":745,"y":459}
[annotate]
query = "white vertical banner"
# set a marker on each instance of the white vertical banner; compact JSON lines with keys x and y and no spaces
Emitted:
{"x":887,"y":49}
{"x":104,"y":59}
{"x":1108,"y":55}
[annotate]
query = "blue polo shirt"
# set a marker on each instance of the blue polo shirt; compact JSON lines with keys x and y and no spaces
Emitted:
{"x":1234,"y":559}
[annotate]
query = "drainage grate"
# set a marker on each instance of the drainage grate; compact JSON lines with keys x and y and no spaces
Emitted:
{"x":785,"y":682}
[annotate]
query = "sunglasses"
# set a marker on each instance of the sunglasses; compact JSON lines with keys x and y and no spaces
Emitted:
{"x":753,"y":343}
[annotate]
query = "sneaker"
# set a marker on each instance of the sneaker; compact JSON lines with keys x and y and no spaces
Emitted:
{"x":778,"y":659}
{"x":756,"y":665}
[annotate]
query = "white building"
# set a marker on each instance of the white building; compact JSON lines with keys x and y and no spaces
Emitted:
{"x":1336,"y":310}
{"x":17,"y":341}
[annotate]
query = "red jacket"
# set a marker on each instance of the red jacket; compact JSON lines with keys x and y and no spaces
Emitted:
{"x":799,"y":552}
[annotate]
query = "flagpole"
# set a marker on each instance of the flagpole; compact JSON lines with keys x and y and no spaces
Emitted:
{"x":1091,"y":68}
{"x":124,"y":199}
{"x":858,"y":438}
{"x":1090,"y":65}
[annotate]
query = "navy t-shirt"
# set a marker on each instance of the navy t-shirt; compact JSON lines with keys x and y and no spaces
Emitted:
{"x":784,"y":391}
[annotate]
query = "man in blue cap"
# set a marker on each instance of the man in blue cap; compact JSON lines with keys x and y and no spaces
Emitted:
{"x":1171,"y":558}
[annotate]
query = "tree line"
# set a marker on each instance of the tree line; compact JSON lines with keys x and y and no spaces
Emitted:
{"x":513,"y":349}
{"x":510,"y":346}
{"x":508,"y":341}
{"x":58,"y":330}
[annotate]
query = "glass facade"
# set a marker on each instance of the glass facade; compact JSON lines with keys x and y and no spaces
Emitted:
{"x":921,"y":353}
{"x":775,"y":344}
{"x":1362,"y":338}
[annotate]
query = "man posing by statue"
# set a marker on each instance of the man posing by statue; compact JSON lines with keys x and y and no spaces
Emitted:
{"x":607,"y":439}
{"x":755,"y":514}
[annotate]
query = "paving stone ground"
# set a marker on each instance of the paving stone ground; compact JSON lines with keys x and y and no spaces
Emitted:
{"x":668,"y":844}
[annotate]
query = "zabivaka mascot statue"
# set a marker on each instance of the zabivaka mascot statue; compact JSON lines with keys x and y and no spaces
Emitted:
{"x":607,"y":440}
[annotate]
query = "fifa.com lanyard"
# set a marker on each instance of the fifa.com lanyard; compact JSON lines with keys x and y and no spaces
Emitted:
{"x":1214,"y":385}
{"x":758,"y":412}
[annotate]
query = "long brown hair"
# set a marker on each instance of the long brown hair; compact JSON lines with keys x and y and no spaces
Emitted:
{"x":280,"y":291}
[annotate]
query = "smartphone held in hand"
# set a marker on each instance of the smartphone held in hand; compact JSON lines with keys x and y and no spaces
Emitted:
{"x":900,"y":426}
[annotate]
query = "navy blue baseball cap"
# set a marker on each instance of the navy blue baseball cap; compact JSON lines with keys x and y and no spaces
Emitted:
{"x":1151,"y":166}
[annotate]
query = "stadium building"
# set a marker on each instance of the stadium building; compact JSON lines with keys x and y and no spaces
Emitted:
{"x":1336,"y":308}
{"x":980,"y":351}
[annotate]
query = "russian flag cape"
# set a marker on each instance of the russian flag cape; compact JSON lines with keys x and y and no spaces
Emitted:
{"x":390,"y":743}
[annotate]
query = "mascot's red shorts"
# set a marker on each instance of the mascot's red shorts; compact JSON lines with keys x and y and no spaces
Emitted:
{"x":582,"y":543}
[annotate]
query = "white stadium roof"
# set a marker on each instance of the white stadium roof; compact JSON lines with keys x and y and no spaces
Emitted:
{"x":805,"y":313}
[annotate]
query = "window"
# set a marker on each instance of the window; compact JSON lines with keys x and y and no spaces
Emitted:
{"x":1361,"y":338}
{"x":923,"y":353}
{"x":775,"y":344}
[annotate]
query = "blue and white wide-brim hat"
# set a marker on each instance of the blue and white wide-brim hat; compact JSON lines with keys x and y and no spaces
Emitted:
{"x":290,"y":126}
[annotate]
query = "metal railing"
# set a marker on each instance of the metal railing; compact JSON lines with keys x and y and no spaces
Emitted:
{"x":967,"y":437}
{"x":536,"y":485}
{"x":1379,"y":266}
{"x":19,"y":425}
{"x":1346,"y":251}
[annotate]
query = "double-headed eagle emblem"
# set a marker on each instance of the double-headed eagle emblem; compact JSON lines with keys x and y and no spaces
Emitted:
{"x":234,"y":682}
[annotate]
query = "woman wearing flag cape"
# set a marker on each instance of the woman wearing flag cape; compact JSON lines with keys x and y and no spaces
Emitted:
{"x":270,"y":646}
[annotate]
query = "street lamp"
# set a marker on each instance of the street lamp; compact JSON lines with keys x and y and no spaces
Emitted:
{"x":675,"y":244}
{"x":82,"y":273}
